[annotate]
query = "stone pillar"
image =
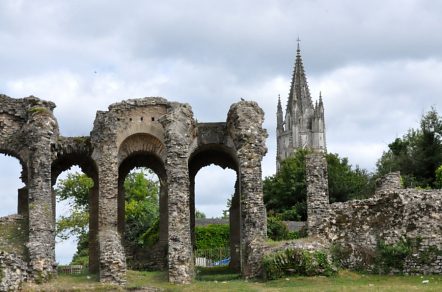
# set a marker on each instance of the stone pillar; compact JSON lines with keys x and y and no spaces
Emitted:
{"x":41,"y":130}
{"x":235,"y":231}
{"x":163,"y":233}
{"x":244,"y":125}
{"x":94,"y":255}
{"x":178,"y":124}
{"x":192,"y":209}
{"x":318,"y":201}
{"x":121,"y":206}
{"x":23,"y":205}
{"x":112,"y":256}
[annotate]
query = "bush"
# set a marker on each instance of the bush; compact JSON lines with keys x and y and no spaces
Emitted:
{"x":297,"y":262}
{"x":212,"y":236}
{"x":392,"y":256}
{"x":276,"y":229}
{"x":438,"y":182}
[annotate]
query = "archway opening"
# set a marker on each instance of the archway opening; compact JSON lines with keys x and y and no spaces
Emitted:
{"x":75,"y":204}
{"x":142,"y":210}
{"x":72,"y":211}
{"x":12,"y":183}
{"x":214,"y":192}
{"x":14,"y":207}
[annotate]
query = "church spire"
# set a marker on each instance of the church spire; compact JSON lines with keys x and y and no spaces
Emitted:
{"x":299,"y":91}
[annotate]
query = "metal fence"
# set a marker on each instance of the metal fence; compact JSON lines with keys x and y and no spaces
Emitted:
{"x":72,"y":269}
{"x":212,"y":257}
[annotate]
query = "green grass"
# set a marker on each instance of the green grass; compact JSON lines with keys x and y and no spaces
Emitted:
{"x":222,"y":279}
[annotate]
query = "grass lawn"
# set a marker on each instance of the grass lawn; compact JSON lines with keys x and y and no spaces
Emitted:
{"x":224,"y":280}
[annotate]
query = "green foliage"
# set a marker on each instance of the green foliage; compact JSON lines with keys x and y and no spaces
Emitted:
{"x":346,"y":183}
{"x":142,"y":207}
{"x":298,"y":262}
{"x":287,"y":189}
{"x":39,"y":110}
{"x":152,"y":234}
{"x":438,"y":182}
{"x":81,"y":257}
{"x":392,"y":256}
{"x":76,"y":224}
{"x":212,"y":236}
{"x":285,"y":193}
{"x":199,"y":214}
{"x":276,"y":229}
{"x":75,"y":186}
{"x":417,"y":155}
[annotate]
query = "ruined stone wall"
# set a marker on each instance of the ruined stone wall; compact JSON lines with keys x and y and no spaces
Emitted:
{"x":14,"y":235}
{"x":149,"y":132}
{"x":13,"y":271}
{"x":391,"y":216}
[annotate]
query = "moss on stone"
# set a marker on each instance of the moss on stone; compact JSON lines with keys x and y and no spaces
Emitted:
{"x":13,"y":237}
{"x":39,"y":110}
{"x":81,"y":139}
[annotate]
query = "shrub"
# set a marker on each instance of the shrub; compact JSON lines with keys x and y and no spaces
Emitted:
{"x":298,"y":262}
{"x":392,"y":256}
{"x":276,"y":229}
{"x":212,"y":236}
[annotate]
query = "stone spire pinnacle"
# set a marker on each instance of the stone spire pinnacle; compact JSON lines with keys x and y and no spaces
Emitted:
{"x":299,"y":91}
{"x":279,"y":114}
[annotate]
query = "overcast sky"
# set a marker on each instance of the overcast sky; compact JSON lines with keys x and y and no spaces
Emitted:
{"x":378,"y":64}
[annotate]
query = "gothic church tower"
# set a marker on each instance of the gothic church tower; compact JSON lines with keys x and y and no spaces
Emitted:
{"x":303,"y":126}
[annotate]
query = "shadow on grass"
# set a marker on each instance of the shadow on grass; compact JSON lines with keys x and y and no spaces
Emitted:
{"x":216,"y":274}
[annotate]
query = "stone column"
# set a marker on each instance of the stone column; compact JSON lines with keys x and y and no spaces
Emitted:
{"x":23,"y":204}
{"x":94,"y":253}
{"x":317,"y":191}
{"x":112,"y":256}
{"x":235,"y":231}
{"x":41,"y":131}
{"x":244,"y":125}
{"x":192,"y":209}
{"x":178,"y":124}
{"x":163,"y":232}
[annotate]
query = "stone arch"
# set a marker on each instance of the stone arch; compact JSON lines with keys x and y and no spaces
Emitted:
{"x":145,"y":150}
{"x":225,"y":157}
{"x":66,"y":157}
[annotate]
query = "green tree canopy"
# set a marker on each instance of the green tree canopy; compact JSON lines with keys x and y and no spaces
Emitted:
{"x":417,"y":155}
{"x":285,"y":193}
{"x":141,"y":206}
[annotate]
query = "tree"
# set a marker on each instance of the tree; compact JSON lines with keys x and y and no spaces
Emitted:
{"x":74,"y":188}
{"x":141,"y":206}
{"x":417,"y":155}
{"x":200,"y":215}
{"x":285,"y":193}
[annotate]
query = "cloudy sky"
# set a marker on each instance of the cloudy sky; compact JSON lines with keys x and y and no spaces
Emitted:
{"x":378,"y":64}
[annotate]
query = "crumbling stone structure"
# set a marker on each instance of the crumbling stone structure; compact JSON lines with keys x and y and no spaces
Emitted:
{"x":393,"y":215}
{"x":149,"y":132}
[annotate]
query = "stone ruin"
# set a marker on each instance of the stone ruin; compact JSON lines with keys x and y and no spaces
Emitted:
{"x":164,"y":136}
{"x":392,"y":215}
{"x":150,"y":132}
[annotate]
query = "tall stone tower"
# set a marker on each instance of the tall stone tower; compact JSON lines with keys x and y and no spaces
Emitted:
{"x":303,"y":126}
